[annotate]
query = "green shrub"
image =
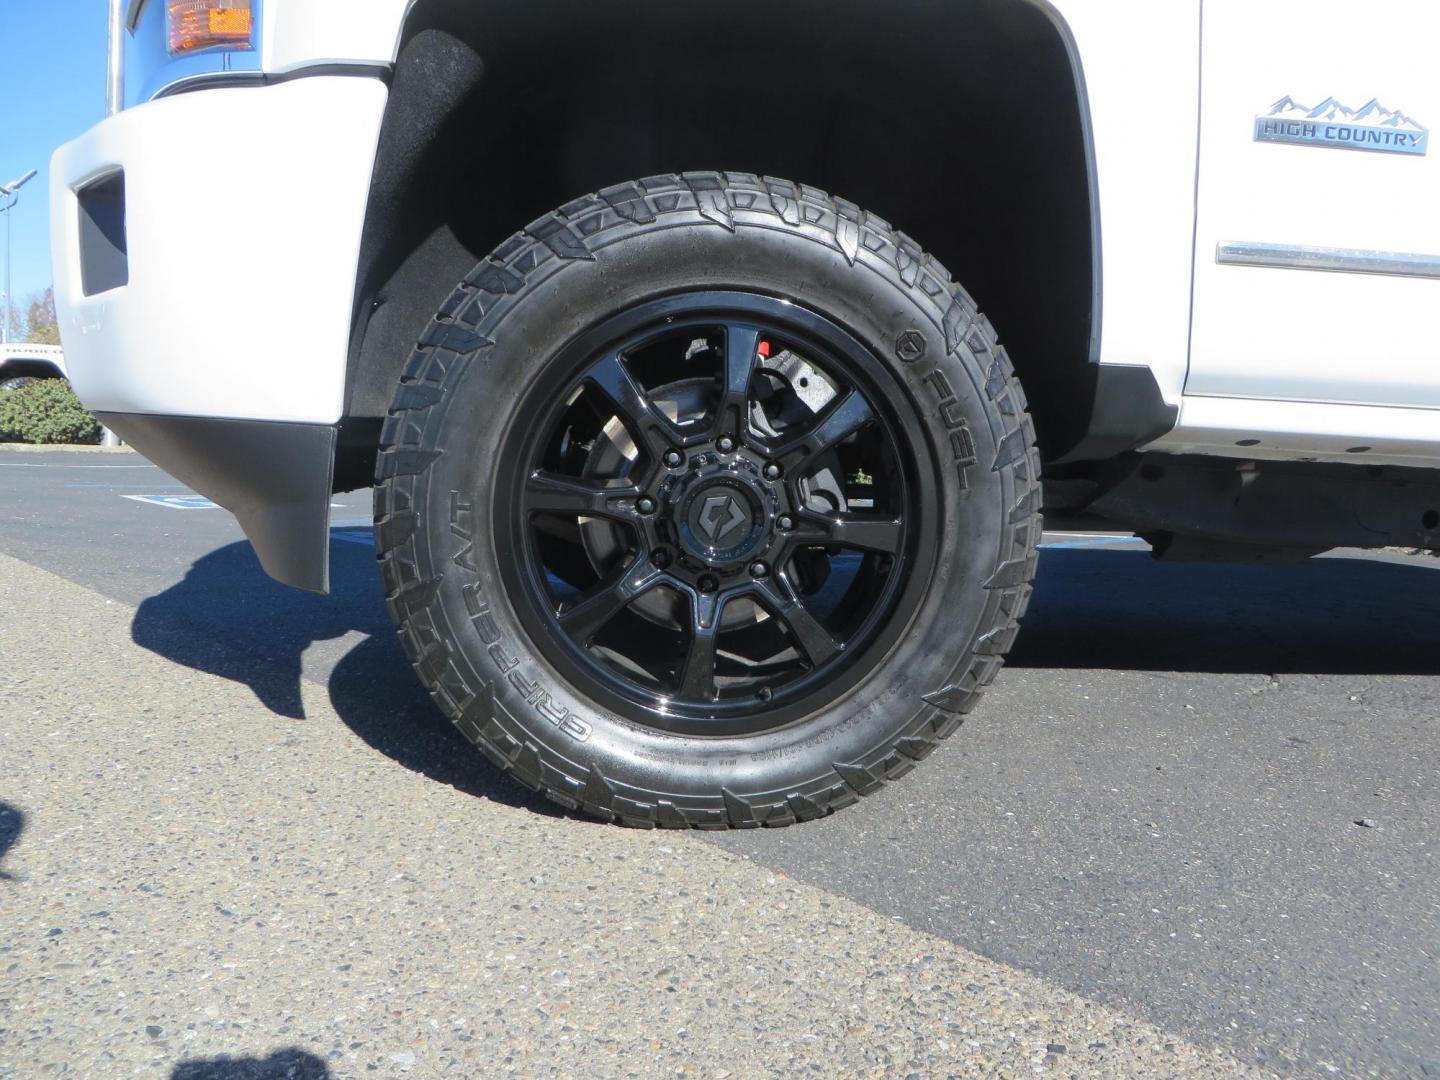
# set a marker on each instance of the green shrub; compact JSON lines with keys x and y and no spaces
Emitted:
{"x":45,"y":411}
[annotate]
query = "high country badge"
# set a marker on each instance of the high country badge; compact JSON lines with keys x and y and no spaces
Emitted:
{"x":1370,"y":127}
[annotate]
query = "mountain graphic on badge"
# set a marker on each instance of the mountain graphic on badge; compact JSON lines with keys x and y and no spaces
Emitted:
{"x":1330,"y":109}
{"x":1336,"y":126}
{"x":1375,"y":113}
{"x":1289,"y":107}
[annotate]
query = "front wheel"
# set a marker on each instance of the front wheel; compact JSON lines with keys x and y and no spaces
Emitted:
{"x":707,"y":501}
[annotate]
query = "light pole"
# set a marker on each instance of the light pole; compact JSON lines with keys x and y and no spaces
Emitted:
{"x":11,"y":194}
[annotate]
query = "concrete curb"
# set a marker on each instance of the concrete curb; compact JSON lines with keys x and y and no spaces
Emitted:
{"x":61,"y":448}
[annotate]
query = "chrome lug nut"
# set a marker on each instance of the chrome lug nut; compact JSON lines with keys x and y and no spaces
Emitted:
{"x":645,"y":504}
{"x":759,"y":570}
{"x":726,"y":444}
{"x":708,"y":584}
{"x":772,"y":471}
{"x":786,"y":523}
{"x":674,"y":459}
{"x":660,"y":558}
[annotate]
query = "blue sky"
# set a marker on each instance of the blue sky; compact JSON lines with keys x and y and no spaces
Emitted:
{"x":52,"y":87}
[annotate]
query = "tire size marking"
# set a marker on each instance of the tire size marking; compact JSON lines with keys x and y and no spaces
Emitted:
{"x":482,"y":617}
{"x":681,"y":761}
{"x":962,"y":443}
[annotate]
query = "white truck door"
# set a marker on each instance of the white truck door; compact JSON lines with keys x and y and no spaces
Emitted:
{"x":1317,"y":254}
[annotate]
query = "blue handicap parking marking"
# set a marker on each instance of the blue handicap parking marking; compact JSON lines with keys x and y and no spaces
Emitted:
{"x":176,"y":502}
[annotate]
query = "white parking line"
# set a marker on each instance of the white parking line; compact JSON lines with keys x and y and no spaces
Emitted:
{"x":176,"y":502}
{"x":1089,"y":540}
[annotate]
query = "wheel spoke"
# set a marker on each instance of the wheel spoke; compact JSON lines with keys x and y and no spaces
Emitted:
{"x":697,"y":675}
{"x":650,"y":427}
{"x":867,"y":532}
{"x":806,"y":631}
{"x":552,"y":493}
{"x":732,"y":415}
{"x":840,"y":421}
{"x":588,"y":616}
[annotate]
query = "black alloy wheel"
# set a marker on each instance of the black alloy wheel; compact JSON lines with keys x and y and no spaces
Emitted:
{"x":716,"y":515}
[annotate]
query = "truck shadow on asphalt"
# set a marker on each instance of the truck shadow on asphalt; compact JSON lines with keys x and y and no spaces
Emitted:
{"x":12,"y":824}
{"x":1122,"y":610}
{"x":227,"y":618}
{"x":1092,"y":608}
{"x":288,"y":1064}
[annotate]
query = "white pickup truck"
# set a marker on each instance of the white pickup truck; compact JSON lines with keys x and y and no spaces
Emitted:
{"x":707,"y":498}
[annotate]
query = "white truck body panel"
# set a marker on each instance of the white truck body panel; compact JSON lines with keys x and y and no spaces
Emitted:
{"x":1259,"y":430}
{"x":1139,"y":101}
{"x":1302,"y":335}
{"x":301,"y":33}
{"x":245,"y":209}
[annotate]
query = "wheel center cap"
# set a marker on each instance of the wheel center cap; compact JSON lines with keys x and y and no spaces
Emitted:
{"x":718,"y":515}
{"x":721,"y":521}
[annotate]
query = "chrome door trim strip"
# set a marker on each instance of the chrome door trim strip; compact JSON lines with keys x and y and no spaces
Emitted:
{"x":1340,"y":260}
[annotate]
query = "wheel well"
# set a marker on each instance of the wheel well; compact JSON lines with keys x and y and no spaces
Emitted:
{"x":961,"y":122}
{"x":32,"y":369}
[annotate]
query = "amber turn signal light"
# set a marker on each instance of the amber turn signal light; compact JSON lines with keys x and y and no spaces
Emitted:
{"x":208,"y":24}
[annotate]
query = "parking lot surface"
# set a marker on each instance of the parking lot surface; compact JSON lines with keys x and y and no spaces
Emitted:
{"x":1199,"y":804}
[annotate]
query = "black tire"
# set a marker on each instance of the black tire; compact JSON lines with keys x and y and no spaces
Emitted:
{"x":443,"y":497}
{"x":15,"y":383}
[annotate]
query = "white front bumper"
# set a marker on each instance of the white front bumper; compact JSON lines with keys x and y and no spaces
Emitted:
{"x":244,"y":210}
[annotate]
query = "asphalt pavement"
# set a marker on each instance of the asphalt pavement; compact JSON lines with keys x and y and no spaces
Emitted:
{"x":1199,"y":797}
